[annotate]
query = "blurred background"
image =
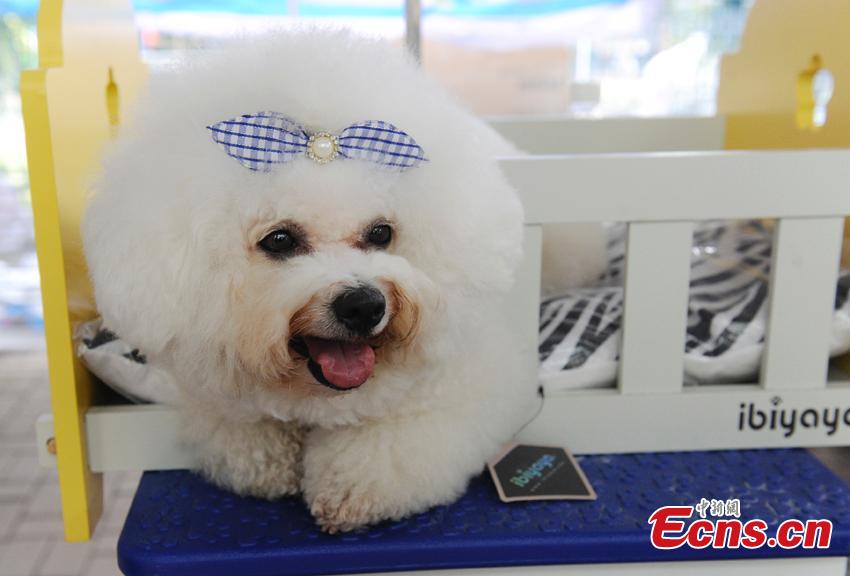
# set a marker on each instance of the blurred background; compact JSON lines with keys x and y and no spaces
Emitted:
{"x":582,"y":57}
{"x":501,"y":57}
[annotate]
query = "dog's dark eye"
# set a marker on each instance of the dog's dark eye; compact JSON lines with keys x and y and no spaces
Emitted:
{"x":279,"y":242}
{"x":380,"y":235}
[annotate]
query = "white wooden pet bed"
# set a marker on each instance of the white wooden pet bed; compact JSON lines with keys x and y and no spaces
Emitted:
{"x":659,"y":177}
{"x":660,"y":195}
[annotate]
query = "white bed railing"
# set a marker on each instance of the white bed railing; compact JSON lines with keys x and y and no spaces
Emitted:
{"x":660,"y":196}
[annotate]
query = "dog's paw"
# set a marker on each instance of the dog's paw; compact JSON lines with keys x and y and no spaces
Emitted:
{"x":342,"y":496}
{"x":261,"y":459}
{"x":347,"y":484}
{"x":342,"y":511}
{"x":354,"y":477}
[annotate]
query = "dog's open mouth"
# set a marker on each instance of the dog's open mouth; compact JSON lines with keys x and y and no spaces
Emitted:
{"x":338,"y":364}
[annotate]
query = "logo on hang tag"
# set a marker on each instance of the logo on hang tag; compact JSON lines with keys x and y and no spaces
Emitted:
{"x":525,"y":472}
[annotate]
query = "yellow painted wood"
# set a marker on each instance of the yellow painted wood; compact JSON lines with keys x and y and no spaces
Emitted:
{"x":769,"y":81}
{"x":89,"y":71}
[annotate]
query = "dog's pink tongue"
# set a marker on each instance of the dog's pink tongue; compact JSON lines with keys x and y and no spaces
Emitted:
{"x":344,"y":364}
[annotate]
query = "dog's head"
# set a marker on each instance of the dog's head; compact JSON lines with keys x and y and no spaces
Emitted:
{"x":307,"y":280}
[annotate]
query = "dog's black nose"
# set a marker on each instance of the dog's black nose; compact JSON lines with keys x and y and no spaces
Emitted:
{"x":360,"y":309}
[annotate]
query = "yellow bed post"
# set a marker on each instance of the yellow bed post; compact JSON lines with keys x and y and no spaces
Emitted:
{"x":776,"y":92}
{"x":770,"y":92}
{"x":89,"y":71}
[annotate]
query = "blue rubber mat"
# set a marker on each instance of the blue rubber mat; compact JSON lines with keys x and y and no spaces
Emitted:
{"x":180,"y":525}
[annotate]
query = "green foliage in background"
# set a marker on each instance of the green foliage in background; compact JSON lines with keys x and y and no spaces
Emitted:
{"x":722,"y":20}
{"x":17,"y":52}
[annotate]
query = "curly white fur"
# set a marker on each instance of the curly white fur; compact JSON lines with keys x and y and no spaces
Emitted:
{"x":171,"y":239}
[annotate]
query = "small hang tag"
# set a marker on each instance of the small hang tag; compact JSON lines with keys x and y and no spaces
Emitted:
{"x":524,"y":472}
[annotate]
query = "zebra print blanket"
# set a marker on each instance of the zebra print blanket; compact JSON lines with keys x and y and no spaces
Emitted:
{"x":727,"y":310}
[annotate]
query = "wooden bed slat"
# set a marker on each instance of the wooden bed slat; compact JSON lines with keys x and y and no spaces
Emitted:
{"x":682,"y":186}
{"x":566,"y":135}
{"x":523,"y":303}
{"x":658,"y":257}
{"x":802,"y":295}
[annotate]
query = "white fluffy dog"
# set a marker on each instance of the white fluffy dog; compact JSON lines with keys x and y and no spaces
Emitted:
{"x":334,"y":328}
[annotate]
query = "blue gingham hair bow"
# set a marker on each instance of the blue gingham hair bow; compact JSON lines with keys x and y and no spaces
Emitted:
{"x":262,"y":139}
